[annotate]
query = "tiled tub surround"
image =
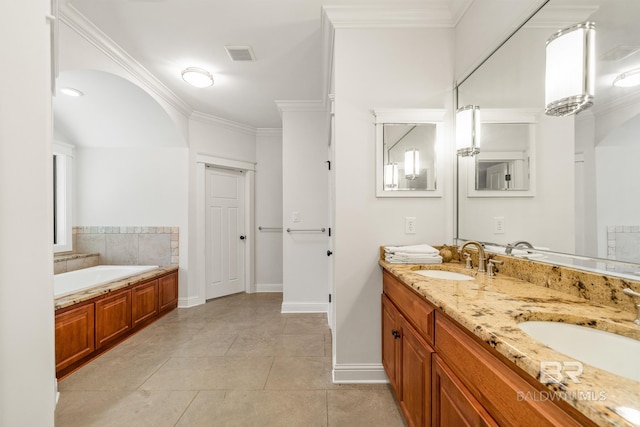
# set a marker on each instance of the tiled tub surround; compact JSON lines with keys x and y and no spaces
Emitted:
{"x":491,"y":308}
{"x":129,"y":245}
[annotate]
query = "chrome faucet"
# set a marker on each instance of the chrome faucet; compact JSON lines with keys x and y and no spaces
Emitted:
{"x":629,"y":292}
{"x":481,"y":255}
{"x":519,"y":243}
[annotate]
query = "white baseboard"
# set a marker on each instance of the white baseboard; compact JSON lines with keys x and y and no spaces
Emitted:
{"x":305,"y":307}
{"x":365,"y":373}
{"x":189,"y":302}
{"x":268,"y":287}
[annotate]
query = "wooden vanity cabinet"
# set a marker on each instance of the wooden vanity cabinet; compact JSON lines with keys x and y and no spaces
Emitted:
{"x":443,"y":375}
{"x":406,"y":354}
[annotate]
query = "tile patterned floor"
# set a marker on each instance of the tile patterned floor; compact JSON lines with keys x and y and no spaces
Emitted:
{"x":234,"y":361}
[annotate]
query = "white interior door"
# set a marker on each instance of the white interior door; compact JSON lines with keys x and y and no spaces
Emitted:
{"x":224,"y":229}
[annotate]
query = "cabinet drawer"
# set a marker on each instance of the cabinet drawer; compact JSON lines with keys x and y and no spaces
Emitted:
{"x":413,"y":306}
{"x":492,"y":382}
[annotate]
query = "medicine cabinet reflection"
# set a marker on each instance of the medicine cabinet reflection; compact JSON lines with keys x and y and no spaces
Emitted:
{"x":407,"y":144}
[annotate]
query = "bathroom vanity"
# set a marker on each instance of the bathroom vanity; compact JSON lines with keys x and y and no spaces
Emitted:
{"x":91,"y":321}
{"x":454,"y":353}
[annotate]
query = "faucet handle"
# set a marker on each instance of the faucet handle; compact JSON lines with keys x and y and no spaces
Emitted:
{"x":491,"y":266}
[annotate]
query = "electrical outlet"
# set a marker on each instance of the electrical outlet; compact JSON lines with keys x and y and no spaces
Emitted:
{"x":295,"y":216}
{"x":498,"y":225}
{"x":410,"y":225}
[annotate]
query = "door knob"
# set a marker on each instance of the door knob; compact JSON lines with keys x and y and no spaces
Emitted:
{"x":243,"y":237}
{"x":329,"y":253}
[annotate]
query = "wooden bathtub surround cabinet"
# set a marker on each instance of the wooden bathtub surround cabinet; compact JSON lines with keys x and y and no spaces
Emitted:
{"x":85,"y":330}
{"x":443,"y":375}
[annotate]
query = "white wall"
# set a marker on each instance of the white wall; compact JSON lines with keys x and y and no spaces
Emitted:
{"x":379,"y":68}
{"x":305,"y":190}
{"x":269,"y":210}
{"x":485,"y":24}
{"x":27,"y":371}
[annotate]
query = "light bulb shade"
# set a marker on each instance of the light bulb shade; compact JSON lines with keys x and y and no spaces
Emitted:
{"x":412,"y":163}
{"x":468,"y":130}
{"x":391,"y":176}
{"x":197,"y":77}
{"x":570,"y":70}
{"x":628,"y":79}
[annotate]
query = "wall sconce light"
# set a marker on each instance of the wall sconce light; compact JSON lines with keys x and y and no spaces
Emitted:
{"x":391,"y":176}
{"x":197,"y":77}
{"x":411,"y":163}
{"x":468,"y":130}
{"x":570,"y":73}
{"x":628,"y":79}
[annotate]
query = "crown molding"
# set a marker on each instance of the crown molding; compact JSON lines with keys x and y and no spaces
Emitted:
{"x":269,"y":132}
{"x":434,"y":14}
{"x":222,"y":123}
{"x":76,"y":21}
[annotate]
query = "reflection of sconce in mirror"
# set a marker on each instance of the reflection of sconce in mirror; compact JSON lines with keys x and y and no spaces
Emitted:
{"x":569,"y":79}
{"x":468,"y":130}
{"x":411,"y":163}
{"x":391,"y":176}
{"x":628,"y":79}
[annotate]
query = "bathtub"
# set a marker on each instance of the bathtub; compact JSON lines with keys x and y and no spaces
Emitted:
{"x":78,"y":280}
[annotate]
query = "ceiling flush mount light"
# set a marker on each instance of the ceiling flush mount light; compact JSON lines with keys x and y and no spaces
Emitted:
{"x":569,"y":79}
{"x":69,"y":91}
{"x":197,"y":77}
{"x":468,"y":130}
{"x":628,"y":79}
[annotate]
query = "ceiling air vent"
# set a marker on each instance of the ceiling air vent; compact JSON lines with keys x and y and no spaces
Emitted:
{"x":240,"y":53}
{"x":620,"y":52}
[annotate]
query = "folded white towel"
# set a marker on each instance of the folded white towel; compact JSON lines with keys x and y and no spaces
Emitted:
{"x":393,"y":259}
{"x":413,"y":249}
{"x":415,"y":255}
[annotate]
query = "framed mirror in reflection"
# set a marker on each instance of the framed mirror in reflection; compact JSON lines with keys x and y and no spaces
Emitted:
{"x":407,"y":142}
{"x":585,"y":164}
{"x":505,"y":166}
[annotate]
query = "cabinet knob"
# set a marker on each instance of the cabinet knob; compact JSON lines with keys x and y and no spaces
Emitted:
{"x":395,"y":334}
{"x":243,"y":237}
{"x":329,"y":253}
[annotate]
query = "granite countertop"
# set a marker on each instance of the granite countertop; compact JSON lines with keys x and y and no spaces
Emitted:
{"x":87,"y":294}
{"x":491,"y":308}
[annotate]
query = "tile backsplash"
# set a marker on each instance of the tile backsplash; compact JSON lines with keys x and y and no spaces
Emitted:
{"x":129,"y":245}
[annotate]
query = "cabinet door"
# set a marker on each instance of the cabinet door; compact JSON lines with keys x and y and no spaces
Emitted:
{"x":168,"y":291}
{"x":415,"y":377}
{"x":144,"y":302}
{"x":74,"y":335}
{"x":113,"y":317}
{"x":391,"y":344}
{"x":452,"y":403}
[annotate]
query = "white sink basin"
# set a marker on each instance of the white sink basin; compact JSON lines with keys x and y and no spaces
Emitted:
{"x":441,"y":274}
{"x":604,"y":350}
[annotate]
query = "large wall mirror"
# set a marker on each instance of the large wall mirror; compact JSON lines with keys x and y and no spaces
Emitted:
{"x":407,"y":146}
{"x":586,"y":174}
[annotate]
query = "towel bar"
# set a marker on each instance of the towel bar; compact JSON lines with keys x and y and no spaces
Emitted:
{"x":308,"y":230}
{"x":261,"y":228}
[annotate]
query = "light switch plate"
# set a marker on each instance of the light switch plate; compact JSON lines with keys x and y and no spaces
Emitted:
{"x":295,"y":216}
{"x":498,"y":225}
